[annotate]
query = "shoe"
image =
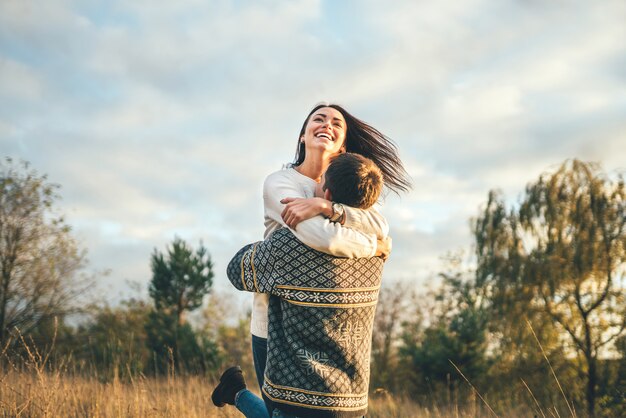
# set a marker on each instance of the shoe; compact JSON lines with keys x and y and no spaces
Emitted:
{"x":231,"y":382}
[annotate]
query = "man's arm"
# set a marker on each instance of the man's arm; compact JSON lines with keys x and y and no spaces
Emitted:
{"x":263,"y":267}
{"x":318,"y":232}
{"x":251,"y":268}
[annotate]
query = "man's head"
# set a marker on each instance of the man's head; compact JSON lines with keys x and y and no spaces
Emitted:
{"x":353,"y":180}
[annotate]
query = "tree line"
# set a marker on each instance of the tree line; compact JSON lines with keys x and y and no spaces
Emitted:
{"x":533,"y":313}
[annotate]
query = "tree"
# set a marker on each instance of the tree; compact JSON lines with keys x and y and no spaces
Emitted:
{"x":390,"y":312}
{"x":455,"y":335}
{"x":40,"y":262}
{"x":562,"y":253}
{"x":180,"y":281}
{"x":613,"y":402}
{"x":178,"y":346}
{"x":230,"y":329}
{"x":113,"y":340}
{"x":234,"y":342}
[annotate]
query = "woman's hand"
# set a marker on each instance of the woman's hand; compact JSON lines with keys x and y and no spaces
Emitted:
{"x":298,"y":209}
{"x":383,"y":248}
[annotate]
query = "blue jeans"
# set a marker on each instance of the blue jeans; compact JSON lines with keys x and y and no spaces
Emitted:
{"x":247,"y":402}
{"x":250,"y":405}
{"x":253,"y":407}
{"x":259,"y":355}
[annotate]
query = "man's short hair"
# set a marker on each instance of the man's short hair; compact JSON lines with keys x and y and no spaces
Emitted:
{"x":354,"y":180}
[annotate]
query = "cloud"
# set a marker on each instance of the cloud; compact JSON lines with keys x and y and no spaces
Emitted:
{"x":164,"y":121}
{"x":19,"y":82}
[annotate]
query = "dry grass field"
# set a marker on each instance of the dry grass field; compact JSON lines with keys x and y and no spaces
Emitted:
{"x":35,"y":393}
{"x":55,"y":395}
{"x":34,"y":386}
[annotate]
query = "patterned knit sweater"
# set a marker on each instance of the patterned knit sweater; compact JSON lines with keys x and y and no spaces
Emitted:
{"x":321,"y":315}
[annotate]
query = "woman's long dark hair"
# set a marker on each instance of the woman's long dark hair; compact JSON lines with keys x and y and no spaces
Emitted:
{"x":366,"y":140}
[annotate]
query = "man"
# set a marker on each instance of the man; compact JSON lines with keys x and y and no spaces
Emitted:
{"x":321,"y":312}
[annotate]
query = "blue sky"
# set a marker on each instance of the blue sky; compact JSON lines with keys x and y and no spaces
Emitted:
{"x":163,"y":121}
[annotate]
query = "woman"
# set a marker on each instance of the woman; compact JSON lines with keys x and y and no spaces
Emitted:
{"x":288,"y":197}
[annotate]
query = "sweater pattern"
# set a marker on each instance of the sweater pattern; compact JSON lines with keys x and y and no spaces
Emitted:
{"x":321,"y":312}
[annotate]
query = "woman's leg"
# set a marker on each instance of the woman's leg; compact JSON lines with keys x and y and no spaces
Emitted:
{"x":259,"y":356}
{"x":250,"y":405}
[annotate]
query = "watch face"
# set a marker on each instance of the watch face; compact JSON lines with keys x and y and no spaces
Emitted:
{"x":337,"y":211}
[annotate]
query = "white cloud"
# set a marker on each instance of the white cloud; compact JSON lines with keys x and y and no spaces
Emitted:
{"x":18,"y":82}
{"x":163,"y":121}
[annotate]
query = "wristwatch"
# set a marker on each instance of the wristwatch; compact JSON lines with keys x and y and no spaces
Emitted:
{"x":337,"y":212}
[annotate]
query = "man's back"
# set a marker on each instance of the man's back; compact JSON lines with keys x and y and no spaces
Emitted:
{"x":321,"y":318}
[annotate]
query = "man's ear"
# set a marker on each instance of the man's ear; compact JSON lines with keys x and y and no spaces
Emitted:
{"x":328,"y":195}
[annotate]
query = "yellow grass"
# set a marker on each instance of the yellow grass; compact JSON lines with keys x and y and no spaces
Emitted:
{"x":31,"y":387}
{"x":28,"y":393}
{"x":54,"y":395}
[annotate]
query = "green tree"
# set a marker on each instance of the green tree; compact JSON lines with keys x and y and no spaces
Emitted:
{"x":234,"y":344}
{"x":113,"y":340}
{"x":40,"y":262}
{"x":230,"y":329}
{"x":562,"y":253}
{"x":455,"y":332}
{"x":613,"y":402}
{"x":181,"y":280}
{"x":178,"y":346}
{"x":391,"y":310}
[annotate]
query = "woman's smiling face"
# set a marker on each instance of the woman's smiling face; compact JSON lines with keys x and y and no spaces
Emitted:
{"x":326,"y":129}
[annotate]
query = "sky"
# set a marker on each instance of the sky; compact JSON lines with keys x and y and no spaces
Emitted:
{"x":163,"y":121}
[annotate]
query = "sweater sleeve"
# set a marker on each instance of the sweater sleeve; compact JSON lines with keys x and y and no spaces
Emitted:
{"x":251,"y":269}
{"x":318,"y":232}
{"x":369,"y":221}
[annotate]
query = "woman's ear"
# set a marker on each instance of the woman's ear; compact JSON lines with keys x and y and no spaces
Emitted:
{"x":302,"y":139}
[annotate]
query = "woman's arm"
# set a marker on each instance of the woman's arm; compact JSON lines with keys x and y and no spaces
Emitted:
{"x":298,"y":209}
{"x":317,"y":232}
{"x":368,"y":221}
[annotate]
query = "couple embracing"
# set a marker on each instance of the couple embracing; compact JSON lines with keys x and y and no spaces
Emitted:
{"x":317,"y":274}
